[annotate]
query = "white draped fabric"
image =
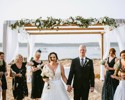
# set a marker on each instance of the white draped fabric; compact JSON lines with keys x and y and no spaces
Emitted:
{"x":10,"y":42}
{"x":31,"y":46}
{"x":120,"y":36}
{"x":106,"y":50}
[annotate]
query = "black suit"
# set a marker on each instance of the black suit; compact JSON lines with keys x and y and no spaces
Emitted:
{"x":83,"y":78}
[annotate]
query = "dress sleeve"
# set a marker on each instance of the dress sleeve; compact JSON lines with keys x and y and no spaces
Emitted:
{"x":117,"y":67}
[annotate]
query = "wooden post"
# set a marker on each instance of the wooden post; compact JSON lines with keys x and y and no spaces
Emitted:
{"x":102,"y":45}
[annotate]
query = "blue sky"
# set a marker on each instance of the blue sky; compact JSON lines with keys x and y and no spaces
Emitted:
{"x":17,"y":9}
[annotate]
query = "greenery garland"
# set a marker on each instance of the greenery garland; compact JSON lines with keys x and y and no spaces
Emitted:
{"x":53,"y":22}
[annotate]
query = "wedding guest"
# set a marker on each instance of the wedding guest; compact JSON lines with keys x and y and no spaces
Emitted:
{"x":19,"y":83}
{"x":54,"y":88}
{"x":3,"y":73}
{"x":110,"y":84}
{"x":82,"y":74}
{"x":37,"y":82}
{"x":120,"y":75}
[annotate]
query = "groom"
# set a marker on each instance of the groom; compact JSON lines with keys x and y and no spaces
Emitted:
{"x":83,"y":73}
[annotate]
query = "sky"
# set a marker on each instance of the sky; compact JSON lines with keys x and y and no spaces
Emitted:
{"x":31,"y":9}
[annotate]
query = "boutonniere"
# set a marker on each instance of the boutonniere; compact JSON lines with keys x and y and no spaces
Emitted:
{"x":86,"y":62}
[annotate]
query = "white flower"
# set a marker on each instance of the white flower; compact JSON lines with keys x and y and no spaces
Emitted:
{"x":42,"y":23}
{"x":79,"y":22}
{"x":57,"y":22}
{"x":39,"y":66}
{"x":103,"y":62}
{"x":86,"y":62}
{"x":37,"y":24}
{"x":26,"y":21}
{"x":104,"y":19}
{"x":47,"y":72}
{"x":100,"y":20}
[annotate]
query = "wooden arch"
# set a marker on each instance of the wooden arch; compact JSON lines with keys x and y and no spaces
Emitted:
{"x":68,"y":30}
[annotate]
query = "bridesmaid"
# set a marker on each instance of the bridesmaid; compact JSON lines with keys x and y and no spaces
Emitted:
{"x":19,"y":83}
{"x":120,"y":75}
{"x":3,"y":73}
{"x":37,"y":82}
{"x":110,"y":84}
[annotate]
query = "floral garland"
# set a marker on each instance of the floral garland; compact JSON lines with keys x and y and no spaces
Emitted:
{"x":52,"y":22}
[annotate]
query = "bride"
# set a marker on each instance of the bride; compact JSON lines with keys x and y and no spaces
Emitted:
{"x":54,"y":88}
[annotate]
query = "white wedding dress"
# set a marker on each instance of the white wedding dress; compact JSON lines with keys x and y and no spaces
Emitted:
{"x":120,"y":91}
{"x":57,"y":89}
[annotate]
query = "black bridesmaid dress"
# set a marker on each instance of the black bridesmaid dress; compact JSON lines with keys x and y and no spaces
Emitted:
{"x":110,"y":84}
{"x":19,"y":84}
{"x":37,"y":82}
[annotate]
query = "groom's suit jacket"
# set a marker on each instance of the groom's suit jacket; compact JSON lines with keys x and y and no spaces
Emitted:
{"x":83,"y":75}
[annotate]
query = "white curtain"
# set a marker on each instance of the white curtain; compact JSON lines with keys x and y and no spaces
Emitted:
{"x":106,"y":50}
{"x":120,"y":36}
{"x":31,"y":46}
{"x":10,"y":42}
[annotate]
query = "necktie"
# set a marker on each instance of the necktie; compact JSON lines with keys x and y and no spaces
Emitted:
{"x":82,"y":62}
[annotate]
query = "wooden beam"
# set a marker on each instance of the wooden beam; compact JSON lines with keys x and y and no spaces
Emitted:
{"x":34,"y":29}
{"x":29,"y":25}
{"x":62,"y":33}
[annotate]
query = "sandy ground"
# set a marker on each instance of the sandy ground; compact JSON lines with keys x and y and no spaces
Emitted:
{"x":96,"y":95}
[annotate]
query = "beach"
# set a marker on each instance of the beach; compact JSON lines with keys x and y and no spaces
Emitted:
{"x":96,"y":95}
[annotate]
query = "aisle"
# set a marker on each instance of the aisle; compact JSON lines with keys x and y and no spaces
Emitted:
{"x":92,"y":96}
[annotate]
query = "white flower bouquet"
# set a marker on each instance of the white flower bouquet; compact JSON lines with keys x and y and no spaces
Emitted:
{"x":47,"y":73}
{"x":103,"y":62}
{"x":117,"y":68}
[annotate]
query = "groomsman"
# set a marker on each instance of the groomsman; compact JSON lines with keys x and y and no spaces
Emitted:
{"x":83,"y":73}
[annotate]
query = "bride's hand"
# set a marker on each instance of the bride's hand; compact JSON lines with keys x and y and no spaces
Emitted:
{"x":69,"y":88}
{"x":45,"y":79}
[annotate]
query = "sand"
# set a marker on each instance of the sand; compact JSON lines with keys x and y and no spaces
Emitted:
{"x":96,"y":95}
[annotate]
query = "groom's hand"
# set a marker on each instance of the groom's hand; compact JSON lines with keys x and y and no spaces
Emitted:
{"x":92,"y":89}
{"x":69,"y":88}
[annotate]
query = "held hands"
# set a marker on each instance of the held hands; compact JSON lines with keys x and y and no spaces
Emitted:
{"x":45,"y":79}
{"x":92,"y":89}
{"x":69,"y":88}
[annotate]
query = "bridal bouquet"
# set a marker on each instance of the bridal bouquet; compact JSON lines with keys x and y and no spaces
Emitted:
{"x":47,"y":73}
{"x":103,"y":62}
{"x":40,"y":66}
{"x":117,"y":68}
